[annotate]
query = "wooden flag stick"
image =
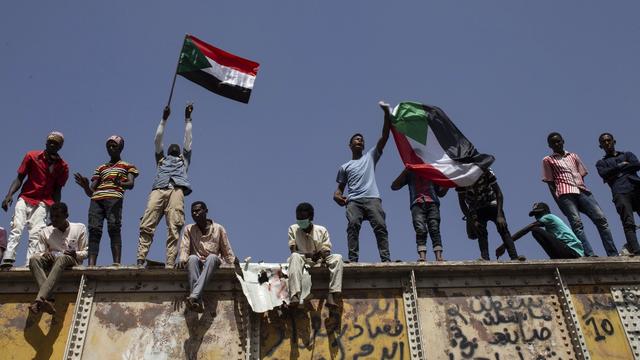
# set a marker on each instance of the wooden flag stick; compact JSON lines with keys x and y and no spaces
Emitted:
{"x":175,"y":74}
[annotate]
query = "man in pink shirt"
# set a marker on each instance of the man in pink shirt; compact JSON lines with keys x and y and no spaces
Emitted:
{"x":46,"y":173}
{"x":564,"y":172}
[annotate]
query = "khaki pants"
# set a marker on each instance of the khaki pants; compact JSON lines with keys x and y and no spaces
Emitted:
{"x":39,"y":265}
{"x":167,"y":202}
{"x":296,"y":267}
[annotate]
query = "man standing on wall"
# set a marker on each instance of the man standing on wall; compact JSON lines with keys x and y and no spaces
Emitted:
{"x":46,"y":173}
{"x":106,"y":191}
{"x":363,"y":201}
{"x":620,"y":171}
{"x":564,"y":172}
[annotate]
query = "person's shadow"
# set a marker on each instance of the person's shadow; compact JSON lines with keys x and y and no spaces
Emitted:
{"x":198,"y":325}
{"x":43,"y":343}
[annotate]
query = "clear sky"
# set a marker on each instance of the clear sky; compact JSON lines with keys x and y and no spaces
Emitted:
{"x":506,"y":72}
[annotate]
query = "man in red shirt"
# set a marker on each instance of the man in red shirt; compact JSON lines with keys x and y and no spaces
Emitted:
{"x":46,"y":174}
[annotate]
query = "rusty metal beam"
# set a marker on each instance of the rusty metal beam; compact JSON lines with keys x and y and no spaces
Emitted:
{"x":577,"y":338}
{"x":84,"y":301}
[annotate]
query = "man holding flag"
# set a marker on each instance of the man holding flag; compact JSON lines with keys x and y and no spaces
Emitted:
{"x":363,"y":201}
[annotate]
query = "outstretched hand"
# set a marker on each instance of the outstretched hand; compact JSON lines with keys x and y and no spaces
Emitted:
{"x":166,"y":112}
{"x":187,"y":111}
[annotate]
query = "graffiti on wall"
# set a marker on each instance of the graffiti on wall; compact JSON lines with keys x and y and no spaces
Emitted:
{"x":368,"y":325}
{"x":493,"y":324}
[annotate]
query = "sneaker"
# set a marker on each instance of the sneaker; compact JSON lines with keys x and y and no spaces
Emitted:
{"x":7,"y":264}
{"x":520,"y":258}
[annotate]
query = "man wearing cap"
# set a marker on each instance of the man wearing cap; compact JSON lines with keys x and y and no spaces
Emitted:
{"x":555,"y":237}
{"x":620,"y":171}
{"x":170,"y":187}
{"x":108,"y":183}
{"x":46,"y":173}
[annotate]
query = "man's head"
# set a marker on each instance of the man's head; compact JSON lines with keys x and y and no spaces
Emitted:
{"x":607,"y":143}
{"x":539,"y":209}
{"x":115,"y":144}
{"x":304,"y":215}
{"x":54,"y":143}
{"x":199,"y":211}
{"x":555,"y":142}
{"x":356,"y":142}
{"x":58,"y":213}
{"x":174,"y":150}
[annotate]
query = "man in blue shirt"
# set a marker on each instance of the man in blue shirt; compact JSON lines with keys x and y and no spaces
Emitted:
{"x":620,"y":171}
{"x":363,"y":200}
{"x":555,"y":237}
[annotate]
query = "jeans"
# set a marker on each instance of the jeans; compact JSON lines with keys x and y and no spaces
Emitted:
{"x":626,"y":204}
{"x":34,"y":217}
{"x":482,"y":216}
{"x":367,"y":209}
{"x":40,"y":266}
{"x":99,"y":210}
{"x":426,"y":220}
{"x":200,"y":272}
{"x":574,"y":204}
{"x":555,"y":248}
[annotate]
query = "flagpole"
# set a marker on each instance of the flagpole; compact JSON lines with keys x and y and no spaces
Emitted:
{"x":175,"y":74}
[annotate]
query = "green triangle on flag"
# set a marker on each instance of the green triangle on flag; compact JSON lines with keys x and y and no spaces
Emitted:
{"x":191,"y":58}
{"x":412,"y":120}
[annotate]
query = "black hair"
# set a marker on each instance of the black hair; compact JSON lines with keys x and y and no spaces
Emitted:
{"x":306,"y":207}
{"x":604,"y":134}
{"x":552,"y":135}
{"x":199,"y":202}
{"x":59,"y":206}
{"x":174,"y":148}
{"x":353,"y":136}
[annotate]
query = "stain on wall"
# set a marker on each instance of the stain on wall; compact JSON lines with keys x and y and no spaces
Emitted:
{"x":27,"y":336}
{"x":157,"y":326}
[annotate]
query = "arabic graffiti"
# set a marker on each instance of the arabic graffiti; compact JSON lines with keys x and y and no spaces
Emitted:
{"x":369,"y":325}
{"x":492,"y":324}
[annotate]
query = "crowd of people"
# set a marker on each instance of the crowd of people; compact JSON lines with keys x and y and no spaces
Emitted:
{"x":55,"y":244}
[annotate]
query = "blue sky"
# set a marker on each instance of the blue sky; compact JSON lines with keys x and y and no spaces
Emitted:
{"x":506,"y":72}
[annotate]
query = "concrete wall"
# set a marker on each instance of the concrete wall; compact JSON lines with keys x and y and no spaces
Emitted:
{"x":455,"y":310}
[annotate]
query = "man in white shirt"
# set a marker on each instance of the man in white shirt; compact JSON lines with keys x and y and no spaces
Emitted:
{"x":61,"y":245}
{"x":310,"y":243}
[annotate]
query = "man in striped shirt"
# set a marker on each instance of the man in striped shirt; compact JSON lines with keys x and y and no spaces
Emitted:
{"x":106,"y":191}
{"x":564,"y":172}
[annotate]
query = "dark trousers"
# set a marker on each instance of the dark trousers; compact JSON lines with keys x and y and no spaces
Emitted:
{"x":99,"y":210}
{"x":626,"y":204}
{"x":556,"y":249}
{"x":426,"y":220}
{"x":367,"y":209}
{"x":483,"y":216}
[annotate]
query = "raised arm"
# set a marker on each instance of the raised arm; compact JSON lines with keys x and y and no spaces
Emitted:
{"x":400,"y":181}
{"x":159,"y":146}
{"x":386,"y":128}
{"x":83,"y":182}
{"x":186,"y":147}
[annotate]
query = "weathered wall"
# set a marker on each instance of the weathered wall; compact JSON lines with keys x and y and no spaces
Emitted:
{"x":468,"y":310}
